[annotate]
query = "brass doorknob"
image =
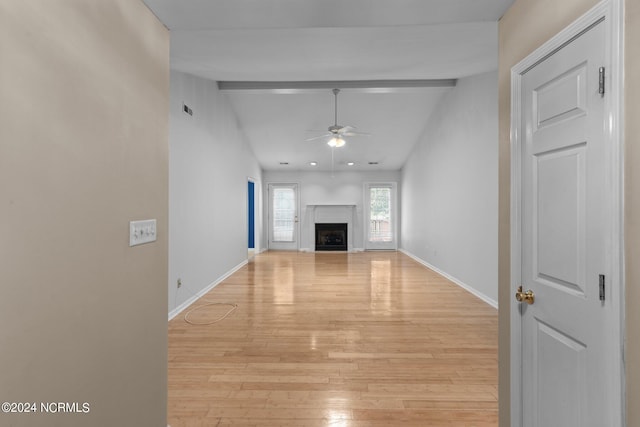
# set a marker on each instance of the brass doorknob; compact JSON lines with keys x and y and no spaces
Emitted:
{"x":527,"y":296}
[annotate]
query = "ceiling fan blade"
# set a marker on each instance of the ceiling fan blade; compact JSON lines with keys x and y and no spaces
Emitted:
{"x":351,"y":131}
{"x":355,"y":134}
{"x":318,"y":137}
{"x":344,"y":129}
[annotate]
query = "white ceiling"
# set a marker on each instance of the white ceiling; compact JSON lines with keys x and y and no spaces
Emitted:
{"x":332,"y":40}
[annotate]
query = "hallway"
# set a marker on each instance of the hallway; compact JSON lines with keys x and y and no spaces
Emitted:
{"x":335,"y":339}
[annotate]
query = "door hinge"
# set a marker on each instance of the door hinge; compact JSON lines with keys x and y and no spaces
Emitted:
{"x":601,"y":285}
{"x":601,"y":81}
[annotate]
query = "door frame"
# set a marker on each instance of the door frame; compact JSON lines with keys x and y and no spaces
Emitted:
{"x":269,"y":206}
{"x":612,"y":13}
{"x":256,"y":190}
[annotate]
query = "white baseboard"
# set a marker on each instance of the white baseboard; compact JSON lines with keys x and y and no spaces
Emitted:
{"x":179,"y":309}
{"x":493,"y":303}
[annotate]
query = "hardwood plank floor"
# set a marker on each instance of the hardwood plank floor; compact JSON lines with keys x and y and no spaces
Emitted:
{"x":336,"y":339}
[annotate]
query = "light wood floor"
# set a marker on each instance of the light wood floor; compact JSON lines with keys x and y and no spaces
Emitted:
{"x":336,"y":339}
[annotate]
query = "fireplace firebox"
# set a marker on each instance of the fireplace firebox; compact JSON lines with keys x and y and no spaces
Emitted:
{"x":331,"y":237}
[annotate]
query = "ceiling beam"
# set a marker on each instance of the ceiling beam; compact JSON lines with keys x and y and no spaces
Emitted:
{"x":374,"y":86}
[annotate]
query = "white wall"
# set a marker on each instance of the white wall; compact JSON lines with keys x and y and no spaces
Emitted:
{"x":450,"y":188}
{"x":209,"y":165}
{"x":321,"y":188}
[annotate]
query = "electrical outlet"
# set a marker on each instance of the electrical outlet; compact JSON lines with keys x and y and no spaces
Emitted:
{"x":179,"y":283}
{"x":142,"y":232}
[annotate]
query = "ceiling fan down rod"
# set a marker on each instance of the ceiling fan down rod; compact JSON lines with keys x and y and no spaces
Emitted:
{"x":335,"y":93}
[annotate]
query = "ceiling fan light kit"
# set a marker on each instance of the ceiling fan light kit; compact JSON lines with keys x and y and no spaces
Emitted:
{"x":336,"y":141}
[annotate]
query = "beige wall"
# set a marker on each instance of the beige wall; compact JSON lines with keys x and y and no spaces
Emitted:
{"x":632,"y":207}
{"x":84,"y":87}
{"x":527,"y":25}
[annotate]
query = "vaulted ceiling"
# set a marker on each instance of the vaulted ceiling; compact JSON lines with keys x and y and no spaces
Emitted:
{"x":277,"y":61}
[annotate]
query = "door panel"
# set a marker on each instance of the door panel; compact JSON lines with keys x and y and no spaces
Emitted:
{"x":564,"y":363}
{"x":558,"y":235}
{"x":562,"y":98}
{"x":561,"y":366}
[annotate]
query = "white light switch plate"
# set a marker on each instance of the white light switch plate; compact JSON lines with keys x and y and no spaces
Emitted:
{"x":142,"y":232}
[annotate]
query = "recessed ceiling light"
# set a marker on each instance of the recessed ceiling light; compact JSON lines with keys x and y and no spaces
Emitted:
{"x":350,"y":163}
{"x":373,"y":163}
{"x":284,"y":163}
{"x":313,"y":163}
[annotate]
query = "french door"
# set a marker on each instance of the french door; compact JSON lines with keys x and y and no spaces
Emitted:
{"x":380,"y":216}
{"x":283,"y":217}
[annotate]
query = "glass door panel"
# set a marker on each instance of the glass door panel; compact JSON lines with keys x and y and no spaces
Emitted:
{"x":283,"y":224}
{"x":380,"y":216}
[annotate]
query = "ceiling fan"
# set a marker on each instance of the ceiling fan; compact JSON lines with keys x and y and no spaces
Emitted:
{"x":336,"y":131}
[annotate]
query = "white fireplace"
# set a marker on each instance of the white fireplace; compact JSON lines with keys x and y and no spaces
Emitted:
{"x":329,"y":214}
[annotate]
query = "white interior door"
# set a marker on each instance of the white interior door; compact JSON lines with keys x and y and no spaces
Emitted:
{"x":567,"y":373}
{"x":380,"y":216}
{"x":283,"y":216}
